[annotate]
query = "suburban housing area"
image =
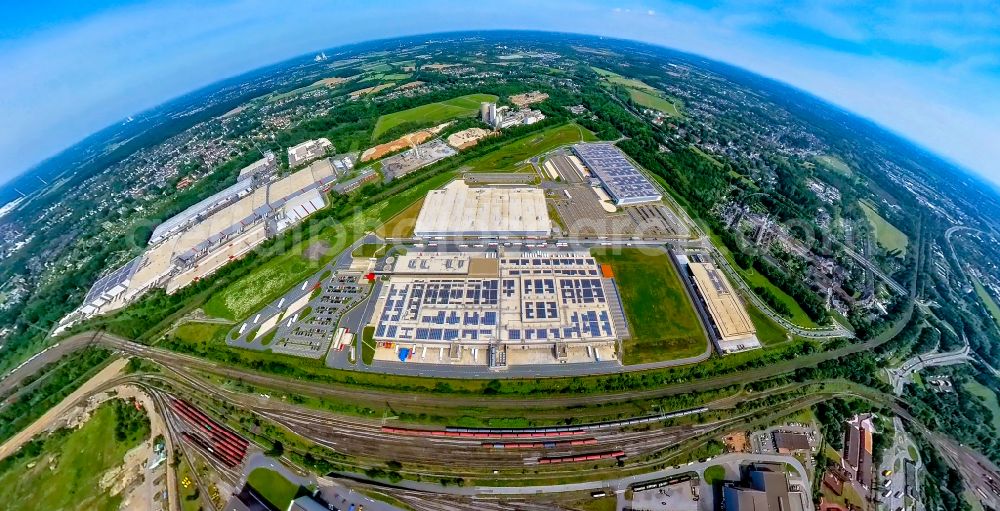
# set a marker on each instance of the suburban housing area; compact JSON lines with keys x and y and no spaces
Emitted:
{"x":469,"y":273}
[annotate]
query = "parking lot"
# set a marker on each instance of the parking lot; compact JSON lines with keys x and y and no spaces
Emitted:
{"x":303,"y":323}
{"x":676,"y":497}
{"x":582,"y":214}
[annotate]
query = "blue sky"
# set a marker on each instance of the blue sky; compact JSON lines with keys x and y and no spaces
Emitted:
{"x":927,"y":70}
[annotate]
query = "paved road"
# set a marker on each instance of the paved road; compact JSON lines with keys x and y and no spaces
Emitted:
{"x":893,"y":456}
{"x":951,"y":246}
{"x":613,"y":485}
{"x":902,"y":375}
{"x":872,"y":267}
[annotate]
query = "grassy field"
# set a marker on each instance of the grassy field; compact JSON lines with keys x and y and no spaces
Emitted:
{"x":648,"y":100}
{"x":441,"y":111}
{"x":835,"y":164}
{"x":401,"y":225}
{"x":273,"y":278}
{"x":989,"y":399}
{"x":988,"y":301}
{"x":768,"y":332}
{"x":642,"y":93}
{"x":715,"y":474}
{"x":618,"y":79}
{"x":189,"y":496}
{"x":195,"y":332}
{"x":396,"y":76}
{"x":660,"y":314}
{"x":368,"y":250}
{"x":887,"y":234}
{"x":507,"y":157}
{"x":273,"y":487}
{"x":65,"y":475}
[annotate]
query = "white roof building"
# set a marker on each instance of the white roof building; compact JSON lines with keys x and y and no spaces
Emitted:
{"x":461,"y":210}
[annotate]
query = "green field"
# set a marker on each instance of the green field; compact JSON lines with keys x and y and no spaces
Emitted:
{"x":507,"y":157}
{"x":273,"y":278}
{"x":368,"y":250}
{"x":618,"y":79}
{"x":401,"y":225}
{"x":715,"y":474}
{"x":660,"y":315}
{"x":368,"y":345}
{"x":441,"y":111}
{"x":273,"y":487}
{"x":988,"y":301}
{"x":396,"y":76}
{"x":654,"y":102}
{"x":65,"y":474}
{"x":768,"y":332}
{"x":641,"y":93}
{"x":989,"y":399}
{"x":195,"y":332}
{"x":835,"y":164}
{"x":887,"y":234}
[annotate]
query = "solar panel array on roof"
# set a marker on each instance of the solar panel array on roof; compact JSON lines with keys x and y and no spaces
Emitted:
{"x":536,"y":298}
{"x":625,"y":183}
{"x":112,"y":283}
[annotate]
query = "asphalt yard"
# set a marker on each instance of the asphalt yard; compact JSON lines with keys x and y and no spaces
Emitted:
{"x":583,"y":215}
{"x":676,"y":497}
{"x":303,"y":321}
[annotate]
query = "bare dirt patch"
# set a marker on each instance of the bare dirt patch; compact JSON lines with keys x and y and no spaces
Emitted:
{"x":467,"y":138}
{"x":371,"y":90}
{"x":403,"y":142}
{"x":317,"y":250}
{"x":528,"y":98}
{"x":49,"y":420}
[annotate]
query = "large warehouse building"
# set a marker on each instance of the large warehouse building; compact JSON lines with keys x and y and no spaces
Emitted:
{"x":624,"y":183}
{"x":522,"y":298}
{"x":210,"y":234}
{"x":461,"y":210}
{"x":733,"y":329}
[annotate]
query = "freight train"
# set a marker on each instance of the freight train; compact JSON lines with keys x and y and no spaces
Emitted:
{"x":223,"y":444}
{"x":548,"y":460}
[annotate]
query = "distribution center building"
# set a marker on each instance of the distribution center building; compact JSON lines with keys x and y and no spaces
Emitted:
{"x":480,"y":298}
{"x":733,"y":329}
{"x":210,"y":234}
{"x":618,"y":176}
{"x":461,"y":210}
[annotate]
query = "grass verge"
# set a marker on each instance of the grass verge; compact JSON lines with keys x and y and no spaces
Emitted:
{"x":660,"y":314}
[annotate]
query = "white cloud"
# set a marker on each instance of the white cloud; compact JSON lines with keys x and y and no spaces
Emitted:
{"x":61,"y":85}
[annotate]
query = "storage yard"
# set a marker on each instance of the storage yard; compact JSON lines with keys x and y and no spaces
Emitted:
{"x":414,"y":159}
